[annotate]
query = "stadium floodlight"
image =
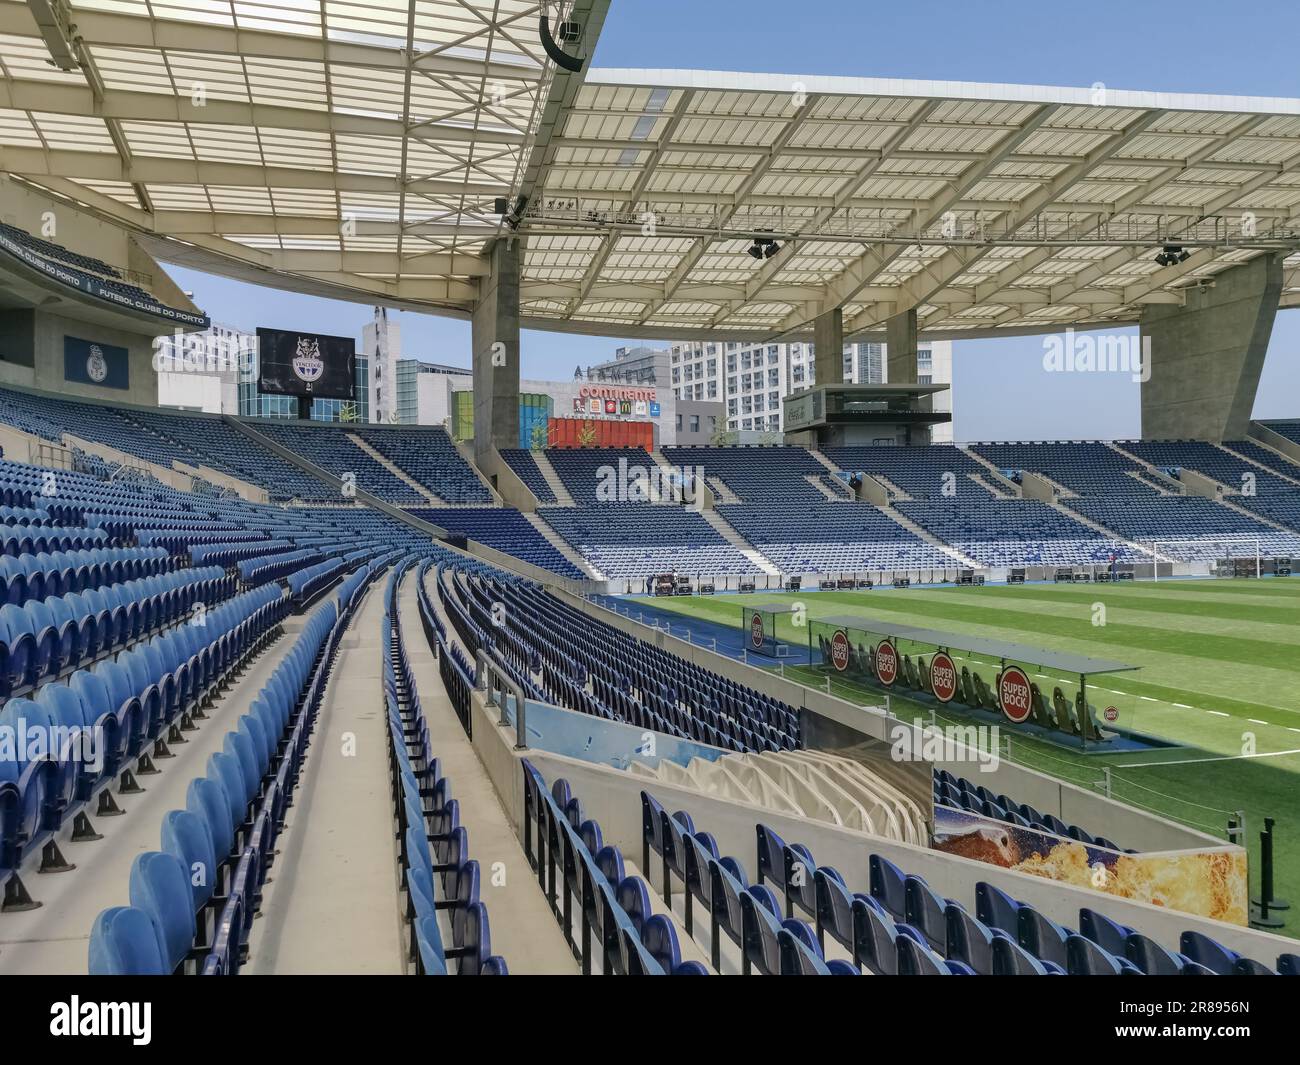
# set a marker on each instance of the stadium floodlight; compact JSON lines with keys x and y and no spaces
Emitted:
{"x":1171,"y":254}
{"x":764,"y":248}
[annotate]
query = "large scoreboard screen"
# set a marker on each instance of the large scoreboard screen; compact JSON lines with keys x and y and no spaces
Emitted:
{"x":306,"y":364}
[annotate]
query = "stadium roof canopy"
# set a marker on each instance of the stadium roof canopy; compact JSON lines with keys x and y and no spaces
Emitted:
{"x":357,"y":150}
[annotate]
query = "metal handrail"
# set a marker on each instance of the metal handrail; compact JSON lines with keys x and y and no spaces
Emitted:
{"x":484,"y":668}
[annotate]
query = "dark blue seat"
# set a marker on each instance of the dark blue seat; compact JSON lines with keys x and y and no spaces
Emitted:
{"x":474,"y":947}
{"x":1011,"y":959}
{"x":1151,"y":958}
{"x":1086,"y":958}
{"x":760,"y":923}
{"x":633,"y":898}
{"x":1110,"y":935}
{"x":874,"y":936}
{"x":924,"y":910}
{"x":1288,"y":964}
{"x":995,"y":908}
{"x":1205,"y":951}
{"x":969,"y":940}
{"x":887,"y":888}
{"x":915,"y":959}
{"x":1042,"y":937}
{"x":834,"y":907}
{"x":660,"y":938}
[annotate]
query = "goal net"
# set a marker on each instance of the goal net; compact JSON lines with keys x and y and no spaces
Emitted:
{"x":1238,"y":556}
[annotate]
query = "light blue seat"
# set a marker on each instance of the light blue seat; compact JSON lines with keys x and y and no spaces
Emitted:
{"x":186,"y":837}
{"x":124,"y":942}
{"x":160,"y":887}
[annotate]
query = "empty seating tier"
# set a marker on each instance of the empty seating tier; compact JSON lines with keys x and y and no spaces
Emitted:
{"x":1016,"y":532}
{"x":639,"y":539}
{"x":824,"y":537}
{"x":940,"y":471}
{"x":1083,"y":467}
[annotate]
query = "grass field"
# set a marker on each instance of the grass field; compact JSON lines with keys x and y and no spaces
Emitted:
{"x":1219,"y":662}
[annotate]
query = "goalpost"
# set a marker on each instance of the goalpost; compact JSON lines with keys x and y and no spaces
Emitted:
{"x":1224,"y":551}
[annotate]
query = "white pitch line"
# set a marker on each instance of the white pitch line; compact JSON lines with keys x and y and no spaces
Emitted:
{"x":1218,"y":713}
{"x":1217,"y":758}
{"x":1256,"y":721}
{"x":1184,"y":706}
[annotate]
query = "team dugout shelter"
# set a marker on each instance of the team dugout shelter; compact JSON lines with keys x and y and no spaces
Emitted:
{"x":1062,"y":696}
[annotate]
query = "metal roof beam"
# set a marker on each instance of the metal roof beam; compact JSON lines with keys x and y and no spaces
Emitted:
{"x":118,"y":29}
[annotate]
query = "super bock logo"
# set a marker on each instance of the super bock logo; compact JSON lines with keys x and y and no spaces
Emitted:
{"x":96,"y":365}
{"x":307,"y":363}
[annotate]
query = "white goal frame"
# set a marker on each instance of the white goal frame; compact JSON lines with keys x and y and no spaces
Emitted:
{"x":1251,"y":541}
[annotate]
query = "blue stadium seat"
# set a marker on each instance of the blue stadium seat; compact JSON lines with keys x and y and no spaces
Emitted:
{"x":124,"y":942}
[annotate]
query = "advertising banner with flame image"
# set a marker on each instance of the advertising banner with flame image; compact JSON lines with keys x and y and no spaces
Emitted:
{"x":1210,"y":882}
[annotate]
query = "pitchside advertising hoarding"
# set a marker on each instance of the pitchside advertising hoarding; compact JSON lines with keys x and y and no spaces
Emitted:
{"x":306,"y":364}
{"x":759,"y":625}
{"x":1208,"y":881}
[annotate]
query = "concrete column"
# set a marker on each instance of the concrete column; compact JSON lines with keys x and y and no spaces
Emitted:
{"x":900,"y":341}
{"x":1206,"y":355}
{"x":900,"y":364}
{"x":495,"y":343}
{"x":828,"y":347}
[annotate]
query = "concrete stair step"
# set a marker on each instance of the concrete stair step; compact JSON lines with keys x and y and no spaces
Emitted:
{"x":538,"y":522}
{"x":396,"y":470}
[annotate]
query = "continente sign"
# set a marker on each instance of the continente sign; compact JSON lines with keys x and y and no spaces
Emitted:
{"x":886,"y":662}
{"x":1014,"y":694}
{"x":943,"y":677}
{"x":840,"y":650}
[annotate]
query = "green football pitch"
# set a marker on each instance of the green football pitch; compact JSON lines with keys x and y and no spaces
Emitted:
{"x":1219,"y":679}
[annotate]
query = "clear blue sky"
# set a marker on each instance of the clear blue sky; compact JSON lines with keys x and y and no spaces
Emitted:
{"x":999,"y":393}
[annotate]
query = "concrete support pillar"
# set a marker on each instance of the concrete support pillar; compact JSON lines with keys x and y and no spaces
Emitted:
{"x":828,"y":347}
{"x":495,"y":343}
{"x":1206,"y":355}
{"x":900,"y":364}
{"x":900,"y":341}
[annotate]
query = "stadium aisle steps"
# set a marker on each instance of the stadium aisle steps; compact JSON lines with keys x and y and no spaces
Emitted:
{"x":395,"y":470}
{"x":911,"y":526}
{"x":523,"y":931}
{"x":561,"y":544}
{"x":333,"y":905}
{"x":563,"y":497}
{"x":54,"y":938}
{"x":728,"y":533}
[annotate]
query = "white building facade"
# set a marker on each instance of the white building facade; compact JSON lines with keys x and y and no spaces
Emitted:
{"x":751,"y":380}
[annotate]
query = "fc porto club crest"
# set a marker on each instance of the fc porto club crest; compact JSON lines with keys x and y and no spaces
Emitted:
{"x":307,"y":363}
{"x":96,"y":365}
